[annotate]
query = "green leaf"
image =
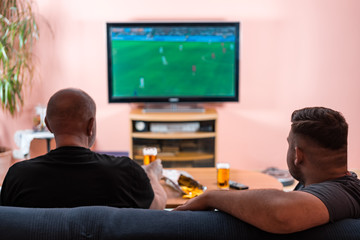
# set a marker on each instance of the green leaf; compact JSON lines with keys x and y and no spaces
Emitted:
{"x":3,"y":53}
{"x":18,"y":33}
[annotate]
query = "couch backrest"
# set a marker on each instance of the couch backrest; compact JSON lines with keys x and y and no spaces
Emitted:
{"x":112,"y":223}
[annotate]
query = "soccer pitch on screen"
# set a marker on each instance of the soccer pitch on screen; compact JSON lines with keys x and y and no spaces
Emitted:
{"x":163,"y":69}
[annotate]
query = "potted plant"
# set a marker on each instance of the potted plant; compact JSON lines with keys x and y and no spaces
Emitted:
{"x":18,"y":33}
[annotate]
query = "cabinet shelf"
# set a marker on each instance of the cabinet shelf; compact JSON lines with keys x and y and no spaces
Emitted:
{"x":175,"y":135}
{"x":181,"y":156}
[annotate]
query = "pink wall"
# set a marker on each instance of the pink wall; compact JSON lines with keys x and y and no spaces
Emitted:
{"x":294,"y":54}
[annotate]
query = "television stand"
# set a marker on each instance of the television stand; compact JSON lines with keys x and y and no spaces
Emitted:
{"x":183,"y":139}
{"x":173,"y":107}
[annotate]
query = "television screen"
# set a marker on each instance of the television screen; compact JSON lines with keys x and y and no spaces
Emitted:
{"x":173,"y":62}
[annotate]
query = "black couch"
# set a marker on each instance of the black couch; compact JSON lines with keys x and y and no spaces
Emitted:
{"x":98,"y":222}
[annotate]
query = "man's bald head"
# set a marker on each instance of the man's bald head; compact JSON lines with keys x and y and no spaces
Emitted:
{"x":69,"y":112}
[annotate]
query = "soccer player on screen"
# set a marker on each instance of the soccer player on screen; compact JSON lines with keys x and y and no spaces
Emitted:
{"x":142,"y":82}
{"x":164,"y":61}
{"x":193,"y":70}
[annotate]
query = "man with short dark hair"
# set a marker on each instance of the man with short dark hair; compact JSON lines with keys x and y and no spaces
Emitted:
{"x":317,"y":158}
{"x":72,"y":175}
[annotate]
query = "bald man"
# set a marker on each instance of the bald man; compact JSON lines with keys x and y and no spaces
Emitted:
{"x":72,"y":175}
{"x":317,"y":158}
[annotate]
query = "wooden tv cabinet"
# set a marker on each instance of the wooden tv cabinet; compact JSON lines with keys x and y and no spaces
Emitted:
{"x":183,"y":139}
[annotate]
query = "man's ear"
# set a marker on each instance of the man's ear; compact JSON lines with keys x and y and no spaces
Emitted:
{"x":299,"y":156}
{"x":48,"y":125}
{"x":89,"y":130}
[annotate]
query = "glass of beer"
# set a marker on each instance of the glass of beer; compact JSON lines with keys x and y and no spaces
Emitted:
{"x":223,"y":175}
{"x":149,"y":155}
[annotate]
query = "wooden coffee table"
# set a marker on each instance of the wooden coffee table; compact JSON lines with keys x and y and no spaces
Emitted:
{"x":207,"y":177}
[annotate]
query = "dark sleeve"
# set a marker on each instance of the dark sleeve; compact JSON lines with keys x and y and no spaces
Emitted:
{"x":137,"y":184}
{"x":8,"y":187}
{"x":342,"y":198}
{"x":142,"y":186}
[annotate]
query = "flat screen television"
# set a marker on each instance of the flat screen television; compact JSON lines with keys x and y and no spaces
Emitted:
{"x":173,"y":62}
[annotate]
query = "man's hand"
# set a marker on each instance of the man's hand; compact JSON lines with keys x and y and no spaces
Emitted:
{"x":155,"y":168}
{"x":198,"y":203}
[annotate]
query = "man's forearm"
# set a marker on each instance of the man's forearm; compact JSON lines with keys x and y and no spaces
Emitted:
{"x":160,"y":196}
{"x":255,"y":207}
{"x":154,"y":173}
{"x":269,"y":209}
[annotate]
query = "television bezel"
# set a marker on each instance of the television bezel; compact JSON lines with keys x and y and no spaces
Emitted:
{"x":174,"y":99}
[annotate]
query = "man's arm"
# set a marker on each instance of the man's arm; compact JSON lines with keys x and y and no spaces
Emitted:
{"x":271,"y":210}
{"x":154,"y":173}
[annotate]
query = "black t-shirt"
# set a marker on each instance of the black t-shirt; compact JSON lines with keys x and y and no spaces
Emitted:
{"x":76,"y":176}
{"x":341,"y":196}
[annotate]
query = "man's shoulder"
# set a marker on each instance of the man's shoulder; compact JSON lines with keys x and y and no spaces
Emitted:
{"x":115,"y":161}
{"x":347,"y":180}
{"x":26,"y":167}
{"x":347,"y":185}
{"x":120,"y":166}
{"x":107,"y":158}
{"x":344,"y":186}
{"x":29,"y":162}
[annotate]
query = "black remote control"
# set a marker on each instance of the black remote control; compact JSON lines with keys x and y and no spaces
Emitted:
{"x":237,"y":185}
